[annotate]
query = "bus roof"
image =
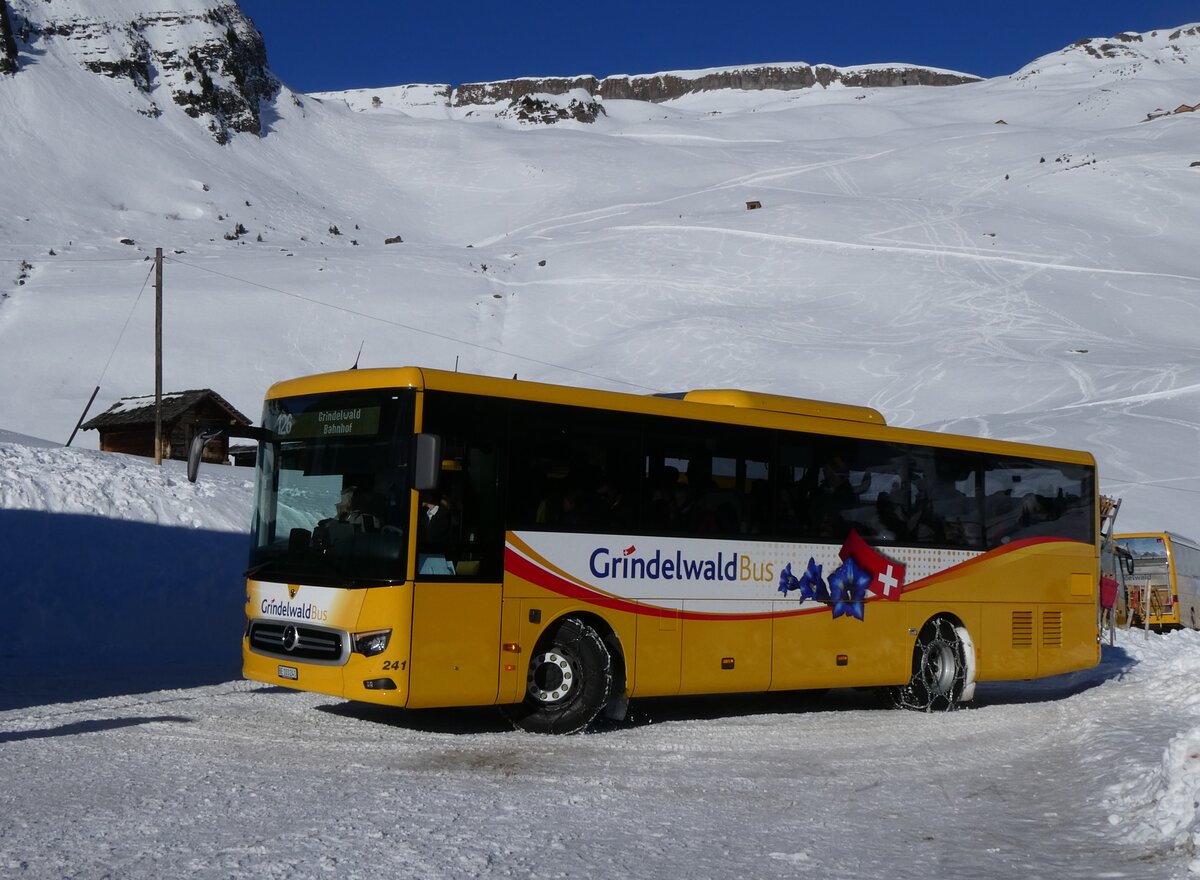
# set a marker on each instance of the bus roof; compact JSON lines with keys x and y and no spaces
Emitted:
{"x":1173,"y":536}
{"x":799,"y":406}
{"x":714,"y":405}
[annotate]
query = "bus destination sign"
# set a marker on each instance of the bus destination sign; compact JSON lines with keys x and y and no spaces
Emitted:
{"x":353,"y":421}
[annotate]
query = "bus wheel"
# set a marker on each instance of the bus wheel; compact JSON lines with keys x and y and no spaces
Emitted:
{"x":940,"y":669}
{"x":568,"y":682}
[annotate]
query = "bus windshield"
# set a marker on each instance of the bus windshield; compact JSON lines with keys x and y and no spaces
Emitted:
{"x":333,"y":489}
{"x":1148,"y":553}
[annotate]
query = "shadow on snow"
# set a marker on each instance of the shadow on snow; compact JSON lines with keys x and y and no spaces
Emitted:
{"x":97,"y":607}
{"x":1115,"y":662}
{"x":94,"y":726}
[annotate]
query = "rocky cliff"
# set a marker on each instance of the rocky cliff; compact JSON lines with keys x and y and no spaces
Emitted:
{"x":209,"y":60}
{"x":8,"y":45}
{"x":657,"y":87}
{"x":1122,"y":55}
{"x":515,"y":89}
{"x":1127,"y":45}
{"x":784,"y":77}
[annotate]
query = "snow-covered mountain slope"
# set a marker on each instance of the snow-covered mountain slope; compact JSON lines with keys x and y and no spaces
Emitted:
{"x":1013,"y":257}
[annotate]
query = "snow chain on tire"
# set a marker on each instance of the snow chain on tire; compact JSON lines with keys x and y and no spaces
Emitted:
{"x":943,"y":668}
{"x":568,"y":681}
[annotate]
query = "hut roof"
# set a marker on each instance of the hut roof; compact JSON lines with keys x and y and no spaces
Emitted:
{"x":140,"y":410}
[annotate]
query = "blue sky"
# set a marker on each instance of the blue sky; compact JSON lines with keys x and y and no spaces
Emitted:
{"x":315,"y":45}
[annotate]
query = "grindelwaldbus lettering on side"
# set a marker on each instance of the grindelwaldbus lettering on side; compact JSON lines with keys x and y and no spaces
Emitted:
{"x":604,"y":564}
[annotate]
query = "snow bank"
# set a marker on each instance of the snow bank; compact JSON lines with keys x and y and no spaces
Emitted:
{"x":123,"y":487}
{"x":1160,"y":805}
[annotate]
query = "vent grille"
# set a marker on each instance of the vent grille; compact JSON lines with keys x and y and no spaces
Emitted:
{"x":1022,"y":629}
{"x":309,"y":643}
{"x":1052,"y":629}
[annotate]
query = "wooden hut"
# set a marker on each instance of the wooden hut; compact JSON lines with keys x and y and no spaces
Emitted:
{"x":128,"y":425}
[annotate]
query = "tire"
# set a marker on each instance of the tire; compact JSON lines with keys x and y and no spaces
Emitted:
{"x":943,"y":668}
{"x":568,"y":682}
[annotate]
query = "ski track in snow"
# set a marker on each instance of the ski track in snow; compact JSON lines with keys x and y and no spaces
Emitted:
{"x":935,"y":253}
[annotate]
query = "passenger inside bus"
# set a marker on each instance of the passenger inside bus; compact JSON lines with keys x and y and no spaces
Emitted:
{"x":434,"y":532}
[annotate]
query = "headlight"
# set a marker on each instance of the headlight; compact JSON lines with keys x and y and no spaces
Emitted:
{"x":373,"y":642}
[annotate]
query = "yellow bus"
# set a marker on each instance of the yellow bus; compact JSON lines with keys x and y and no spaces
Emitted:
{"x":1162,"y":579}
{"x":424,"y":538}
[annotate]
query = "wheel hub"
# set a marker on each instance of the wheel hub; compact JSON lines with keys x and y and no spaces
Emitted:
{"x":550,"y":677}
{"x":939,"y":668}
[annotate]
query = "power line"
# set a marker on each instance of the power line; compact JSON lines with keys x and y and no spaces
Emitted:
{"x":411,"y":328}
{"x":1156,"y":485}
{"x":125,"y":327}
{"x":61,"y":259}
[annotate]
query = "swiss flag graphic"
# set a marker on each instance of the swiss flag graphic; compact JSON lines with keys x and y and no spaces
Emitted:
{"x":887,"y":575}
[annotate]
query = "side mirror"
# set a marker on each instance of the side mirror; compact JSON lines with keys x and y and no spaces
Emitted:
{"x":196,"y":451}
{"x":428,"y":464}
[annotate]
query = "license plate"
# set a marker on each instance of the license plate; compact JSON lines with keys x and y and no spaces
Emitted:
{"x":289,"y":672}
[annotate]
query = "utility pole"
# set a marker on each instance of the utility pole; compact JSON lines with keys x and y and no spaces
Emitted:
{"x":158,"y":356}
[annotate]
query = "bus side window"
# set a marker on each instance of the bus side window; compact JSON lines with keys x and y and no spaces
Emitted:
{"x":799,"y":477}
{"x":844,"y":499}
{"x":575,"y":469}
{"x":705,"y":479}
{"x":946,"y":497}
{"x":1026,"y":499}
{"x":468,"y":544}
{"x":955,"y":504}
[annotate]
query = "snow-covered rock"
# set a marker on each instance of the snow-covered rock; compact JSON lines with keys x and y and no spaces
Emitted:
{"x":204,"y":56}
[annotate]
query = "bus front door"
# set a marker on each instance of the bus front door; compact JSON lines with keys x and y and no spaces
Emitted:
{"x":455,"y":638}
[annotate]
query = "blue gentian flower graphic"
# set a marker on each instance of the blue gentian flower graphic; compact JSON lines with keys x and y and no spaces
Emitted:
{"x":810,"y":584}
{"x":848,"y":586}
{"x":787,"y":580}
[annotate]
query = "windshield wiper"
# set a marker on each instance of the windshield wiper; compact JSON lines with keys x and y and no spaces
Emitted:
{"x":262,"y":566}
{"x":310,"y":566}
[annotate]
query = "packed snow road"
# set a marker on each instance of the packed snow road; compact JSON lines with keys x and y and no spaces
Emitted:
{"x":1090,"y":775}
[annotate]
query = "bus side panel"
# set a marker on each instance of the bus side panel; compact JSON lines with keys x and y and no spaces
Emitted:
{"x":1187,"y":582}
{"x":1030,"y":641}
{"x":1007,"y":643}
{"x":725,"y":655}
{"x":515,"y":658}
{"x":1066,"y":638}
{"x":818,"y":650}
{"x":658,"y":652}
{"x":1188,"y":585}
{"x":1036,"y":609}
{"x":455,"y":645}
